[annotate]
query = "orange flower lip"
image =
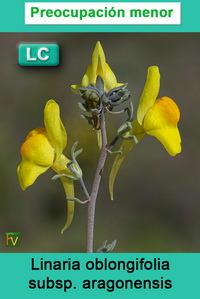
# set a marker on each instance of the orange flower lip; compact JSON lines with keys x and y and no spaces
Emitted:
{"x":37,"y":148}
{"x":169,"y":110}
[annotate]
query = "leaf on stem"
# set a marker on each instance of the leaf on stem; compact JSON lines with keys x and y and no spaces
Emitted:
{"x":69,"y":191}
{"x":138,"y":132}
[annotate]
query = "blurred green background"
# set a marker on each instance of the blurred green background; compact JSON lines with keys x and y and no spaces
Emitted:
{"x":157,"y":197}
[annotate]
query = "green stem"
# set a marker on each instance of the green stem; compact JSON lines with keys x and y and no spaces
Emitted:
{"x":95,"y":186}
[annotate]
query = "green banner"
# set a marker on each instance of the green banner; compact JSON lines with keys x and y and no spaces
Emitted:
{"x":84,"y":275}
{"x":13,"y":19}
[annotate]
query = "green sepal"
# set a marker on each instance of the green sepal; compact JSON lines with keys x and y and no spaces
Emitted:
{"x":104,"y":248}
{"x":77,"y":153}
{"x":58,"y":176}
{"x":115,"y":152}
{"x":82,"y":107}
{"x":73,"y":165}
{"x":130,"y":137}
{"x":124,"y":128}
{"x":75,"y":199}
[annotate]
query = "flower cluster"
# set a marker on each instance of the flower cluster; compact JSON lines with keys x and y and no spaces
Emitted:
{"x":43,"y":147}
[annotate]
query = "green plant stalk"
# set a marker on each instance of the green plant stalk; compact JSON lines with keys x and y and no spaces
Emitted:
{"x":96,"y":185}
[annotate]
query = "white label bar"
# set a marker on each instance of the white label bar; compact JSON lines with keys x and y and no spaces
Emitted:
{"x":102,"y":13}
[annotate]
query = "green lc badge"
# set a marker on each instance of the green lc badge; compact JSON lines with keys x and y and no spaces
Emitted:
{"x":38,"y":55}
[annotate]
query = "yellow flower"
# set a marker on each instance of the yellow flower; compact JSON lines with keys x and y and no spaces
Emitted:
{"x":98,"y":67}
{"x":158,"y":118}
{"x":43,"y":149}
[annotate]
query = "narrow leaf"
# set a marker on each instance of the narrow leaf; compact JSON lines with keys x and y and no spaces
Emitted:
{"x":69,"y":191}
{"x":125,"y":148}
